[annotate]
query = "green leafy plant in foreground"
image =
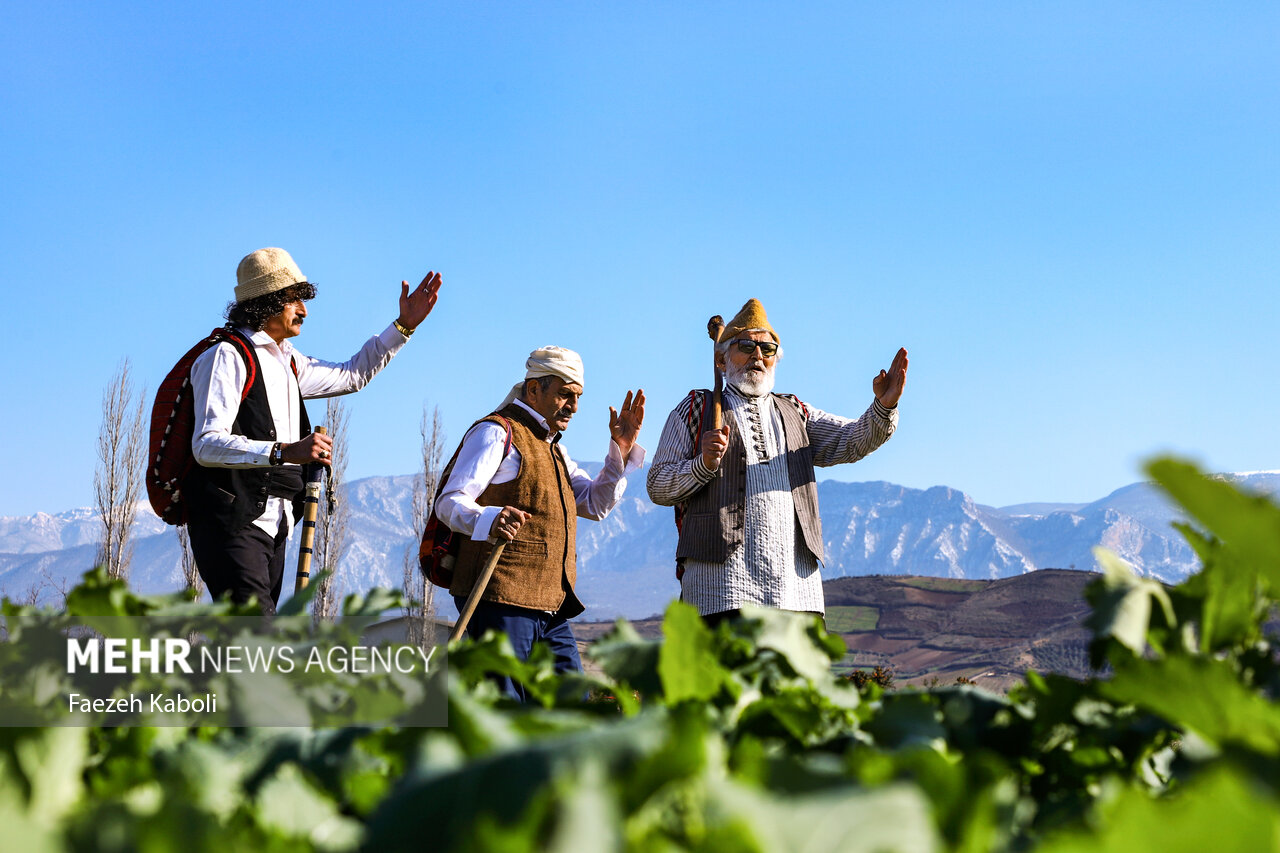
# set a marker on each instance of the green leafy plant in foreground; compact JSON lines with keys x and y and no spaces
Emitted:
{"x":742,"y":739}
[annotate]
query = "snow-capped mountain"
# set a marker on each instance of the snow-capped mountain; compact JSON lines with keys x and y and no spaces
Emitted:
{"x":625,"y":563}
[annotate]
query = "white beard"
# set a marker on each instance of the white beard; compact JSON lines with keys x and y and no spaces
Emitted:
{"x":750,"y":384}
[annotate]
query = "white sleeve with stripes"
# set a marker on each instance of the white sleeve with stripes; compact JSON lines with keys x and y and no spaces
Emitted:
{"x":835,"y":439}
{"x":677,"y":471}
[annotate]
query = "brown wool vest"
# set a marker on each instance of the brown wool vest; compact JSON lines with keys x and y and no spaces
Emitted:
{"x":714,"y":516}
{"x":538,"y":568}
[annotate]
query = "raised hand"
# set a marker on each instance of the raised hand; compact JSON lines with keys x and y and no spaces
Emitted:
{"x":624,"y":426}
{"x":888,"y":385}
{"x":714,"y":444}
{"x":415,"y":306}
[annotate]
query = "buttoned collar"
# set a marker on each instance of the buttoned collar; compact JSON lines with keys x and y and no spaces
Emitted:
{"x":261,"y":339}
{"x":755,"y":399}
{"x":552,"y":435}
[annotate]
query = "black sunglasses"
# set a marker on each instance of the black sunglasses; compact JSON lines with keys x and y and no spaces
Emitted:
{"x":768,"y":349}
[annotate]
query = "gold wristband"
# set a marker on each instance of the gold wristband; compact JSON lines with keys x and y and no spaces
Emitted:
{"x":402,"y":328}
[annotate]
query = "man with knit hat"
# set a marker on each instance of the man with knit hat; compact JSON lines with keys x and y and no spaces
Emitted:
{"x":252,"y":432}
{"x":512,"y":479}
{"x":746,"y":494}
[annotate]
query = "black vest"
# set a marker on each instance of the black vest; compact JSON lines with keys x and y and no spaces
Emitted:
{"x":234,"y":497}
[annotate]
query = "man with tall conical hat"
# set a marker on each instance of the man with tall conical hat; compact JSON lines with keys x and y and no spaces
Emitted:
{"x":511,"y":479}
{"x":746,"y":494}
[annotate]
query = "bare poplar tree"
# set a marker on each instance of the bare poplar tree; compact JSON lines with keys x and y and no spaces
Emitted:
{"x":331,"y":527}
{"x":117,"y":481}
{"x":419,"y":594}
{"x":190,"y":573}
{"x":59,"y":586}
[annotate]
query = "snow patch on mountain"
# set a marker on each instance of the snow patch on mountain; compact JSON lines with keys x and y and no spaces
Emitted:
{"x":626,"y":563}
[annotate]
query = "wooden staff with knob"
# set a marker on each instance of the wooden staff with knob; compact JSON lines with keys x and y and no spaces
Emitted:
{"x":314,"y":475}
{"x":714,"y":327}
{"x":460,"y":627}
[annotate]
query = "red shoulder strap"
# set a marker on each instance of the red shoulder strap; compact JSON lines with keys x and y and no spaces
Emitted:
{"x":804,"y":410}
{"x":448,"y":469}
{"x":242,"y":346}
{"x":506,"y":445}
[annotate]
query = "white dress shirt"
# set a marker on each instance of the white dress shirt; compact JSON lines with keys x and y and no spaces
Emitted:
{"x":217,"y":381}
{"x":481,"y":462}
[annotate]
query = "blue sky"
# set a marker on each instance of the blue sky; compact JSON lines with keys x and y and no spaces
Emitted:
{"x":1067,"y":212}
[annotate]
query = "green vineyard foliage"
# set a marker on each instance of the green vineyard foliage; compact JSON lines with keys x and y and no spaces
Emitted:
{"x":735,"y":739}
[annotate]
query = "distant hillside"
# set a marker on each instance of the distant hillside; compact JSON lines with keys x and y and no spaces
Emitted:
{"x":925,"y":628}
{"x":989,"y":631}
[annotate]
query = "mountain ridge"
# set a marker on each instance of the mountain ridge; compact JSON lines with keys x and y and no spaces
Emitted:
{"x":626,"y":562}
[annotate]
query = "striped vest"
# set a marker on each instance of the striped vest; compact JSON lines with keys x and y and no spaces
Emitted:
{"x":712,"y":521}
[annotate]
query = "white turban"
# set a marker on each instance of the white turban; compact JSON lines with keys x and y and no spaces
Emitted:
{"x":547,"y":361}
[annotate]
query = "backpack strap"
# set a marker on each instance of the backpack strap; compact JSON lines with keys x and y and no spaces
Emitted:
{"x":804,"y":410}
{"x":506,"y":444}
{"x":448,"y":469}
{"x":696,"y":421}
{"x":438,"y":540}
{"x":699,"y":403}
{"x":241,"y":345}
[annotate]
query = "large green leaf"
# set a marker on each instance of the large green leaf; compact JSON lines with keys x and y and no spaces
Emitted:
{"x":500,"y":786}
{"x":629,"y":659}
{"x":1122,"y":603}
{"x":288,"y":803}
{"x":1231,"y":610}
{"x":21,"y":830}
{"x":1201,"y":694}
{"x":1222,"y":812}
{"x":687,"y":663}
{"x":52,"y":761}
{"x":587,"y":814}
{"x":849,"y":820}
{"x":795,"y":636}
{"x":1247,"y":524}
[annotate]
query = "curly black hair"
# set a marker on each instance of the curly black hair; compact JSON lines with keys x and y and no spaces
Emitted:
{"x":255,"y":312}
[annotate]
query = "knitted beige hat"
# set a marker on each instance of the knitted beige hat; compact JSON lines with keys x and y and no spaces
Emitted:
{"x":749,"y":319}
{"x":265,"y":271}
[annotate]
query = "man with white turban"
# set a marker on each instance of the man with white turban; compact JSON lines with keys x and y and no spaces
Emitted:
{"x":746,"y":494}
{"x":511,"y":479}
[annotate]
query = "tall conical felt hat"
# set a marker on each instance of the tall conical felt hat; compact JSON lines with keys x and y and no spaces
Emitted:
{"x":751,"y":316}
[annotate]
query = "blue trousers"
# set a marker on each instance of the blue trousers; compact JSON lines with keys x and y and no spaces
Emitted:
{"x":524,"y":628}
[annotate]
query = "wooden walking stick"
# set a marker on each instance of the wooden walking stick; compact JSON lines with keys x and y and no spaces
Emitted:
{"x":476,"y":591}
{"x":714,"y":327}
{"x":311,"y":506}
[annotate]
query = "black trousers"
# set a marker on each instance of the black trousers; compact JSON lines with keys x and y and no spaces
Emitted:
{"x":247,"y":564}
